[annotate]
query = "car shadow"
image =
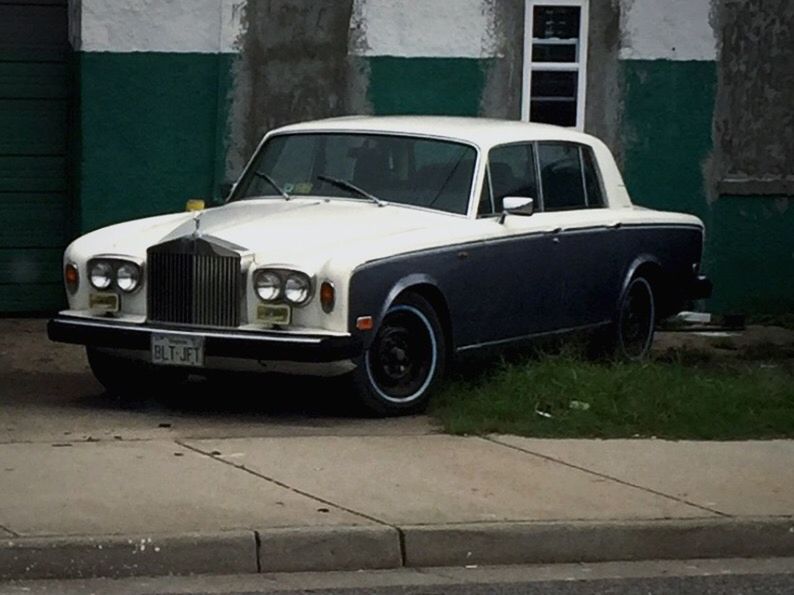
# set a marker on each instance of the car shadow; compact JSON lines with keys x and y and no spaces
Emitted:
{"x":265,"y":396}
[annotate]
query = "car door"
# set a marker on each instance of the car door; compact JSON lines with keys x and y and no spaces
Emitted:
{"x":588,"y":257}
{"x":518,"y":255}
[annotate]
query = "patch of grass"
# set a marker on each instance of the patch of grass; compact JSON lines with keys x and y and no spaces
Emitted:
{"x":666,"y":399}
{"x":686,"y":355}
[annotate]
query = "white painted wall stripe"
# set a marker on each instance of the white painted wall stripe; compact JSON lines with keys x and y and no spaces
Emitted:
{"x":179,"y":26}
{"x":667,"y":29}
{"x":423,"y":28}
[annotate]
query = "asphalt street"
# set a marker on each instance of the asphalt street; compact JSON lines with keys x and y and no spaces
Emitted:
{"x":693,"y":577}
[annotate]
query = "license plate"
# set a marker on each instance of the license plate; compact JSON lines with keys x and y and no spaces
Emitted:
{"x":103,"y":302}
{"x":278,"y":314}
{"x":177,"y":350}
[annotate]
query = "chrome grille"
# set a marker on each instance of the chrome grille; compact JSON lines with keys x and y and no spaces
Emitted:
{"x":193,"y":281}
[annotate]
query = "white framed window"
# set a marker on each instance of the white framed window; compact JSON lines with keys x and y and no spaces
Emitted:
{"x":555,"y":62}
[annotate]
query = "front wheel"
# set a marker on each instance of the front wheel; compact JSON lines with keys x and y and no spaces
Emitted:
{"x":405,"y":360}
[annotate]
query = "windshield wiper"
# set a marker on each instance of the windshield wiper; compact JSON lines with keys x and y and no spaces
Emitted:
{"x":345,"y":185}
{"x":273,"y":183}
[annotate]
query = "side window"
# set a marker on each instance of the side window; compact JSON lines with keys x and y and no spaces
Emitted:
{"x":512,"y":169}
{"x":592,"y":180}
{"x":561,"y":176}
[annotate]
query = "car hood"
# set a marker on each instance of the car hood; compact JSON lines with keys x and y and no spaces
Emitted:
{"x":302,"y":232}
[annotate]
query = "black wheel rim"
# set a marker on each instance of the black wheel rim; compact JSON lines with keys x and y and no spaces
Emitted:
{"x":636,"y":320}
{"x":402,"y":357}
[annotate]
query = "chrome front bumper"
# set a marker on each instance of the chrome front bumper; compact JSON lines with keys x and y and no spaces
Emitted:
{"x":264,"y":345}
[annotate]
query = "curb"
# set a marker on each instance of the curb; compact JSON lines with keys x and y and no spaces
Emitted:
{"x":381,"y":547}
{"x":563,"y":542}
{"x":329,"y":548}
{"x":113,"y":556}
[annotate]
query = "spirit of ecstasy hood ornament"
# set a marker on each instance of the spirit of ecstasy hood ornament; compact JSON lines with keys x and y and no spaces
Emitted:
{"x":197,"y":222}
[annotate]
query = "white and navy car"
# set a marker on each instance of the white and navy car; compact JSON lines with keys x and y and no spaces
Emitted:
{"x":380,"y":247}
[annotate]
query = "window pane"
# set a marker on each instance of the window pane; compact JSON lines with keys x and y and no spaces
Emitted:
{"x":595,"y":197}
{"x":512,"y":173}
{"x":561,"y":175}
{"x":554,"y":52}
{"x":556,"y":22}
{"x":548,"y":85}
{"x":554,"y":97}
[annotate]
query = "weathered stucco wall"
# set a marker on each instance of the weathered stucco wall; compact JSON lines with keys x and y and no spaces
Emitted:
{"x":604,"y":107}
{"x":678,"y":30}
{"x":667,"y":52}
{"x":754,"y":120}
{"x":751,"y":174}
{"x":293,"y":66}
{"x":688,"y":93}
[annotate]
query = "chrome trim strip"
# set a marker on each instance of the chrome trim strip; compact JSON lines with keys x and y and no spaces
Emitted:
{"x":534,"y":336}
{"x":521,"y":236}
{"x":312,"y":340}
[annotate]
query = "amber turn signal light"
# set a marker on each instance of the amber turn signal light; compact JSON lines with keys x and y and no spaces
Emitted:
{"x":364,"y":323}
{"x":72,"y":277}
{"x":327,"y":296}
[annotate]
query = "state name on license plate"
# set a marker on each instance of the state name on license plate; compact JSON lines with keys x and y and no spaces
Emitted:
{"x":177,"y":350}
{"x":276,"y":314}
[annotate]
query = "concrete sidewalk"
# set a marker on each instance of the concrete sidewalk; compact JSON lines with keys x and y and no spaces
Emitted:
{"x":148,"y":507}
{"x":280,"y":480}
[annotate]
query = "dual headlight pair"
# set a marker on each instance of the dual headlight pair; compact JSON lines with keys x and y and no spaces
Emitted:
{"x":123,"y":274}
{"x":273,"y":285}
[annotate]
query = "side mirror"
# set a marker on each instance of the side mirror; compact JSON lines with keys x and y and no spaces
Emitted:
{"x":517,"y":205}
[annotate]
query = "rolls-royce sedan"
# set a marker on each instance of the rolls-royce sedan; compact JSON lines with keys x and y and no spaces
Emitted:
{"x":379,"y":248}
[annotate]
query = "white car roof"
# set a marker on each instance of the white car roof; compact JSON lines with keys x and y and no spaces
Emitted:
{"x":483,"y":132}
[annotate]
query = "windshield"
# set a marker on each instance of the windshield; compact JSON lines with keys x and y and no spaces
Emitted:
{"x":397,"y":169}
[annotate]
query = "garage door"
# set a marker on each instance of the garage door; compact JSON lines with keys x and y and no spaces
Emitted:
{"x":34,"y":206}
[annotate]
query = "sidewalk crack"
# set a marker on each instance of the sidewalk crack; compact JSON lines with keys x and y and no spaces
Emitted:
{"x":281,"y":484}
{"x":609,"y":477}
{"x":7,"y":530}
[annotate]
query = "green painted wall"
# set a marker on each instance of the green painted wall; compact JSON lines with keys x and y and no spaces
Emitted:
{"x":437,"y":86}
{"x":667,"y":136}
{"x":751,"y":246}
{"x":668,"y":108}
{"x":35,"y":197}
{"x":152,"y":132}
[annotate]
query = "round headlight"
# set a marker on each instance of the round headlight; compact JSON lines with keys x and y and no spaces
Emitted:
{"x":267,"y":286}
{"x":128,"y":276}
{"x":296,"y":289}
{"x":101,"y":275}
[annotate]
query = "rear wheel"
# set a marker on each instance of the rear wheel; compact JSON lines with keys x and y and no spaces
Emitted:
{"x":637,"y":320}
{"x":133,"y":380}
{"x":631,"y":335}
{"x":405,"y":360}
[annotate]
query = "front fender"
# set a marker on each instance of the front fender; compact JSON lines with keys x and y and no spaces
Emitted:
{"x":374,"y":288}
